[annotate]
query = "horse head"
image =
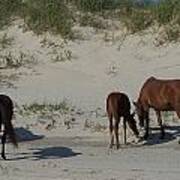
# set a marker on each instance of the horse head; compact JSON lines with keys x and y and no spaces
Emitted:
{"x":132,"y":124}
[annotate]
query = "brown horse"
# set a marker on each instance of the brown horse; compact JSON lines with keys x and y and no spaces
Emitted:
{"x":117,"y":106}
{"x":6,"y":113}
{"x":161,"y":95}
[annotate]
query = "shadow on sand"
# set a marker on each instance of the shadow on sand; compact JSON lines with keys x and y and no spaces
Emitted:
{"x":46,"y":153}
{"x":40,"y":153}
{"x":26,"y":135}
{"x":171,"y":133}
{"x":54,"y":153}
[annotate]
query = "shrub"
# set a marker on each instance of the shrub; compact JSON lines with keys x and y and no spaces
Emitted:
{"x":56,"y":15}
{"x":137,"y":20}
{"x":173,"y":32}
{"x":167,"y":11}
{"x":48,"y":15}
{"x":95,"y":5}
{"x":7,"y":9}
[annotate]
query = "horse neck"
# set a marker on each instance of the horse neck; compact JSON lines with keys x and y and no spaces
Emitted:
{"x":145,"y":85}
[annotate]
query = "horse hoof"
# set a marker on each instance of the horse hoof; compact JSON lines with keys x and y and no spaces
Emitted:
{"x":3,"y":156}
{"x":137,"y":140}
{"x":118,"y":146}
{"x":145,"y":137}
{"x":161,"y":137}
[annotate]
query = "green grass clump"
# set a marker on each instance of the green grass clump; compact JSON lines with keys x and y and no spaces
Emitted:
{"x":39,"y":16}
{"x":95,"y":5}
{"x":137,"y":20}
{"x":8,"y":8}
{"x":5,"y":41}
{"x":48,"y":15}
{"x":44,"y":108}
{"x":167,"y":11}
{"x":167,"y":15}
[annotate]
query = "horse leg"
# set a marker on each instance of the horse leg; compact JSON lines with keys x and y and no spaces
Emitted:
{"x":111,"y":131}
{"x":158,"y":114}
{"x":117,"y":133}
{"x":147,"y":125}
{"x":177,"y":109}
{"x":3,"y":145}
{"x":124,"y":124}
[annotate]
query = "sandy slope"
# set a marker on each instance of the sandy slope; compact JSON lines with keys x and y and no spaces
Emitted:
{"x":97,"y":68}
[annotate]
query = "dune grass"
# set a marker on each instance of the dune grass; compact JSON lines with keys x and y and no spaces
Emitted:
{"x":59,"y":16}
{"x":39,"y":16}
{"x":8,"y":9}
{"x":135,"y":15}
{"x":44,"y":108}
{"x":48,"y":15}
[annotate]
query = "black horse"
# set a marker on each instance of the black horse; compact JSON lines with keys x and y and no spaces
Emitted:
{"x":6,"y":113}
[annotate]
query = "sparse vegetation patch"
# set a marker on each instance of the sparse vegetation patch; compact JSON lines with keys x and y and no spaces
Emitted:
{"x":58,"y":50}
{"x":49,"y":115}
{"x":60,"y":16}
{"x":8,"y":10}
{"x":5,"y":41}
{"x":135,"y":16}
{"x":11,"y":59}
{"x":44,"y":109}
{"x":48,"y":15}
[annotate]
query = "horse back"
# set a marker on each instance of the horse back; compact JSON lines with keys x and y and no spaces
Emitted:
{"x":118,"y":103}
{"x":160,"y":94}
{"x":8,"y":105}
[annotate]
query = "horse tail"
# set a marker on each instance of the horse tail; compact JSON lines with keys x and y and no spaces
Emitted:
{"x":6,"y":113}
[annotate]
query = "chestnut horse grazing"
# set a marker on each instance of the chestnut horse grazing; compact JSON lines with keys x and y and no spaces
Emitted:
{"x":161,"y":95}
{"x":6,"y":113}
{"x":117,"y":106}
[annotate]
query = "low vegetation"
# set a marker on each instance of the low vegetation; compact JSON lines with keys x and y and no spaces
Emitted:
{"x":48,"y":15}
{"x":39,"y":16}
{"x":59,"y":16}
{"x":50,"y":115}
{"x":16,"y":60}
{"x":58,"y":50}
{"x":5,"y":41}
{"x":44,"y":109}
{"x":8,"y":10}
{"x":135,"y":15}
